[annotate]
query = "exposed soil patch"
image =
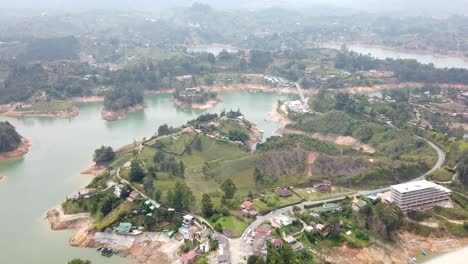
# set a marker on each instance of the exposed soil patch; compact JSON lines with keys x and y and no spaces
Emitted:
{"x":278,"y":117}
{"x":86,"y":99}
{"x":20,"y":151}
{"x":94,"y":170}
{"x":339,"y":140}
{"x":310,"y":161}
{"x":81,"y":223}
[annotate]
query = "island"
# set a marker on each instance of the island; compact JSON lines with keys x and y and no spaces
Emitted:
{"x":121,"y":100}
{"x":12,"y":144}
{"x":195,"y":98}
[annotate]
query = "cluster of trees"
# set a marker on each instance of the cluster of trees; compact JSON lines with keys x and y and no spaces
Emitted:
{"x":9,"y":138}
{"x":167,"y":163}
{"x":180,"y":197}
{"x":238,"y":135}
{"x":103,"y":154}
{"x":123,"y":96}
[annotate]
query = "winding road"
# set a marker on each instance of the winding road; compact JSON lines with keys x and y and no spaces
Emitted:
{"x":239,"y":248}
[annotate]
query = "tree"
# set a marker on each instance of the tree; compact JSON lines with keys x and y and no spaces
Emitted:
{"x":197,"y":144}
{"x":181,"y":196}
{"x":229,"y":189}
{"x":157,"y":195}
{"x":9,"y":138}
{"x":258,"y":177}
{"x":103,"y":154}
{"x":79,"y":261}
{"x":206,"y":205}
{"x":462,"y":169}
{"x":387,"y":218}
{"x":136,"y":171}
{"x":181,"y":168}
{"x":159,"y":157}
{"x":152,"y":172}
{"x":188,"y":149}
{"x":164,"y":130}
{"x":107,"y":204}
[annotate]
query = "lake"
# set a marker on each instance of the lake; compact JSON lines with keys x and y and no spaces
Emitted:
{"x":383,"y":53}
{"x":61,"y":148}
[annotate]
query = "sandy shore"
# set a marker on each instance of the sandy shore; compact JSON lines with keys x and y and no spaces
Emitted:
{"x":86,"y":99}
{"x":20,"y":151}
{"x":121,"y":114}
{"x":209,"y":104}
{"x":380,"y":87}
{"x":74,"y":111}
{"x":277,"y":117}
{"x":252,"y":87}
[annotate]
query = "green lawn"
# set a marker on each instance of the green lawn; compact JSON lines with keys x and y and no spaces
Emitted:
{"x":273,"y":201}
{"x":231,"y":222}
{"x":311,"y":195}
{"x":52,"y":105}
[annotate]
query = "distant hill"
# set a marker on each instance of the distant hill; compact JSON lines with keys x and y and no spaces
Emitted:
{"x":51,"y":49}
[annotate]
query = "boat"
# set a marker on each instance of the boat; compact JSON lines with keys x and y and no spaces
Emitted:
{"x":424,"y":252}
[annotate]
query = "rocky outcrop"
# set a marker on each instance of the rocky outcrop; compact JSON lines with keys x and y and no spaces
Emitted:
{"x":81,"y":223}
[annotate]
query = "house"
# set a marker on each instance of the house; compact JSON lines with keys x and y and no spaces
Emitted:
{"x":309,"y":229}
{"x":283,"y":192}
{"x":283,"y":220}
{"x":123,"y":228}
{"x":83,"y":194}
{"x":295,"y":245}
{"x":187,"y":130}
{"x":248,"y":206}
{"x":358,"y":204}
{"x":325,"y":186}
{"x":263,"y":231}
{"x":326,"y":208}
{"x":278,"y":243}
{"x":134,"y":195}
{"x":189,"y":257}
{"x":188,"y":220}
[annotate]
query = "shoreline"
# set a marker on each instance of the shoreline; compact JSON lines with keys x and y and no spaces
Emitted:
{"x":109,"y":115}
{"x":19,"y":152}
{"x":196,"y":106}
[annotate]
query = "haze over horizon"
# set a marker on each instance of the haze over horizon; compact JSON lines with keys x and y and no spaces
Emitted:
{"x":414,"y":7}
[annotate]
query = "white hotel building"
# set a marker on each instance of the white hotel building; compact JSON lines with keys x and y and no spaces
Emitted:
{"x":419,"y":195}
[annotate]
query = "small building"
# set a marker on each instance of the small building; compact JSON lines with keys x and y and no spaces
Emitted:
{"x":134,"y":195}
{"x":283,"y":192}
{"x":278,"y":243}
{"x":295,"y":245}
{"x":419,"y":195}
{"x":358,"y":204}
{"x":123,"y":228}
{"x":326,"y":208}
{"x":263,"y":231}
{"x":248,"y":206}
{"x":283,"y":220}
{"x":83,"y":194}
{"x":325,"y":186}
{"x":188,"y":220}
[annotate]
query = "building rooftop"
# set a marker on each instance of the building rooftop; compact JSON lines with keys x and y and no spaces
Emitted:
{"x":416,"y":186}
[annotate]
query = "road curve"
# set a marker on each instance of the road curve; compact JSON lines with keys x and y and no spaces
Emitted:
{"x":238,"y":245}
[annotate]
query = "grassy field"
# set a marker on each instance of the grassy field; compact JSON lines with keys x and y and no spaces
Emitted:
{"x":273,"y":201}
{"x":234,"y":224}
{"x":310,"y":194}
{"x":52,"y":105}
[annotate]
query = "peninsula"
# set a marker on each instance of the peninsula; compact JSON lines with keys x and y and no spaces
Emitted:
{"x":195,"y":98}
{"x":12,"y":145}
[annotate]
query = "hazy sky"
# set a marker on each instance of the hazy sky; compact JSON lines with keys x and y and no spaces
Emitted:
{"x":417,"y":7}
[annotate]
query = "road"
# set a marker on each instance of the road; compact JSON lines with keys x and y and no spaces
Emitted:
{"x":238,"y":245}
{"x":300,"y":93}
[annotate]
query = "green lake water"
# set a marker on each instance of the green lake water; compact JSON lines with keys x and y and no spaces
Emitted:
{"x":61,"y":148}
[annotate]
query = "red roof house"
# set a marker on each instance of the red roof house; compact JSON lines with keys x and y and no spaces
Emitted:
{"x":283,"y":192}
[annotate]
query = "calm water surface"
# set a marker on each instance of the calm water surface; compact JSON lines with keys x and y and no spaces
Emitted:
{"x":62,"y":148}
{"x":383,"y":53}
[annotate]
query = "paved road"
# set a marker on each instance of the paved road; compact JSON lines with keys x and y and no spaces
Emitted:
{"x":238,"y":246}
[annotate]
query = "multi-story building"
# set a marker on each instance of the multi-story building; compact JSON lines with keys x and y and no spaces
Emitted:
{"x":419,"y":195}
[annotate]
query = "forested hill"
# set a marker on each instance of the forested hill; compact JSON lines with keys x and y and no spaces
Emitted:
{"x":9,"y":138}
{"x":51,"y":49}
